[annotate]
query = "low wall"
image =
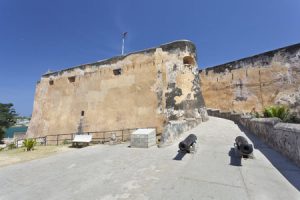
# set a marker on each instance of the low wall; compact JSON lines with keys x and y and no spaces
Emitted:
{"x":283,"y":137}
{"x":176,"y":128}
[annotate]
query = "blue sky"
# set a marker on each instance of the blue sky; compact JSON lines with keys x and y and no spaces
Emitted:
{"x":37,"y":35}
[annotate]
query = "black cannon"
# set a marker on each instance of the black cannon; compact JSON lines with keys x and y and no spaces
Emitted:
{"x":243,"y":146}
{"x":186,"y":144}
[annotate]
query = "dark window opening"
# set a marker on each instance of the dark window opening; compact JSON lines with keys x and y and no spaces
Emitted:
{"x":117,"y":71}
{"x":188,"y":60}
{"x":82,"y":113}
{"x":51,"y":82}
{"x":71,"y":79}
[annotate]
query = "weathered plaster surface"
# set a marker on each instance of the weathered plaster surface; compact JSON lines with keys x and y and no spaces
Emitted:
{"x":154,"y":87}
{"x":255,"y":82}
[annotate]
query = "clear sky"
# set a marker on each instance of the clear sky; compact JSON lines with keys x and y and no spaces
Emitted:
{"x":37,"y":35}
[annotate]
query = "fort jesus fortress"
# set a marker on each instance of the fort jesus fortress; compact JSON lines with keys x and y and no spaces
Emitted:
{"x":161,"y":88}
{"x":160,"y":98}
{"x":157,"y":88}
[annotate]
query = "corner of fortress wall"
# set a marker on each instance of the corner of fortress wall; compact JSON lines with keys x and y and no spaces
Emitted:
{"x":157,"y":87}
{"x":255,"y":82}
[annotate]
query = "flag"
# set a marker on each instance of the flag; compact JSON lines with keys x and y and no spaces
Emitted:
{"x":124,"y":34}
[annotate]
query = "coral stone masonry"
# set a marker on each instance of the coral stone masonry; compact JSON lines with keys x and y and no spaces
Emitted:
{"x":150,"y":88}
{"x":255,"y":82}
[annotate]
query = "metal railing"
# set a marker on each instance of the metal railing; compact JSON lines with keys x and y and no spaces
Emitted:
{"x":121,"y":135}
{"x":39,"y":141}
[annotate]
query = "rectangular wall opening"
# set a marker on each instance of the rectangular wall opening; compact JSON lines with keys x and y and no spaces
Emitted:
{"x":71,"y":79}
{"x":117,"y":72}
{"x":51,"y":82}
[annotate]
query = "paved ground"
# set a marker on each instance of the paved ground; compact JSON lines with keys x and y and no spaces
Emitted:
{"x":118,"y":172}
{"x":9,"y":157}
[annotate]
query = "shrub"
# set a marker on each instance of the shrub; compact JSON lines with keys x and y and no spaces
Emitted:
{"x":66,"y":142}
{"x":293,"y":118}
{"x":29,"y":144}
{"x":11,"y":146}
{"x":255,"y":114}
{"x":281,"y":112}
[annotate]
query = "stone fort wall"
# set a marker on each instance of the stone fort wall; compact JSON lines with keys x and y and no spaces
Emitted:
{"x":283,"y":137}
{"x":255,"y":82}
{"x":150,"y":88}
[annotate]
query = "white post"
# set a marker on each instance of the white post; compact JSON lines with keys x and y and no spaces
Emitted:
{"x":123,"y":41}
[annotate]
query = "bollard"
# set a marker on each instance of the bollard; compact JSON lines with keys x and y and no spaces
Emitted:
{"x":243,"y":146}
{"x":186,"y":144}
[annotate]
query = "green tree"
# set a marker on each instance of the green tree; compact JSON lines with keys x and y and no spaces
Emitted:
{"x":7,"y":117}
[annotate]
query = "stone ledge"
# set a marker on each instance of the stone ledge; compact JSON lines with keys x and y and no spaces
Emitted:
{"x":175,"y":128}
{"x":269,"y":121}
{"x":288,"y":127}
{"x":283,"y":137}
{"x":225,"y":114}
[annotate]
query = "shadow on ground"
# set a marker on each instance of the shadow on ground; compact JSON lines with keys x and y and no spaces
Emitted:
{"x":289,"y":170}
{"x":78,"y":146}
{"x":235,"y":160}
{"x":179,"y":155}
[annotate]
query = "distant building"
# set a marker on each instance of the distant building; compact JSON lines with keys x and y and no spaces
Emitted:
{"x":22,"y":122}
{"x":16,"y":132}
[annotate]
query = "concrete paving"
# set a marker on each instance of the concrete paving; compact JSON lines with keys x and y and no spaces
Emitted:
{"x":118,"y":172}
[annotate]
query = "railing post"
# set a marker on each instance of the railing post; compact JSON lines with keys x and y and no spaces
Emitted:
{"x":122,"y":136}
{"x":45,"y":140}
{"x":57,"y":140}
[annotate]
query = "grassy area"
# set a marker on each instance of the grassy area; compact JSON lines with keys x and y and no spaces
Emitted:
{"x":8,"y":157}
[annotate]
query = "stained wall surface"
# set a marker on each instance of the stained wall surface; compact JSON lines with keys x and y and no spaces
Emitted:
{"x":255,"y":82}
{"x":138,"y":90}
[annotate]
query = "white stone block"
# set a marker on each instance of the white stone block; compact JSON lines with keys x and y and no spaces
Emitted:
{"x":143,"y":138}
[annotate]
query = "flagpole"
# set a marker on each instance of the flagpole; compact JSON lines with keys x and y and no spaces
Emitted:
{"x":123,"y":41}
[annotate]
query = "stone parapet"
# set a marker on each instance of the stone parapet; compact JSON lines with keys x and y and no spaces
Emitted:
{"x":175,"y":128}
{"x":283,"y":137}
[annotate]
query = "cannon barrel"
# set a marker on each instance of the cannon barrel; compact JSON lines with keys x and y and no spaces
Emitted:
{"x":243,"y":146}
{"x":186,"y":144}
